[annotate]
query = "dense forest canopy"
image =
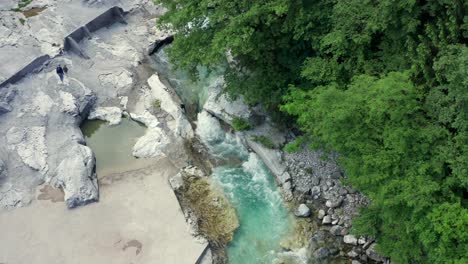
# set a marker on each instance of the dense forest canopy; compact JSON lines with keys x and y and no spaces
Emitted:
{"x":384,"y":83}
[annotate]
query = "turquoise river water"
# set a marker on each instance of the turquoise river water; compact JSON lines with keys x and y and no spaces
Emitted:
{"x":248,"y":184}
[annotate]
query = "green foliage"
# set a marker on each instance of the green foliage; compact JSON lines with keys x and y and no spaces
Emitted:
{"x":240,"y":124}
{"x":265,"y":141}
{"x":21,"y":4}
{"x":384,"y":83}
{"x":295,"y":145}
{"x":157,"y":104}
{"x":402,"y":160}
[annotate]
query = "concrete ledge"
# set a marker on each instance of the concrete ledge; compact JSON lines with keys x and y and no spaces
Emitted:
{"x":31,"y":67}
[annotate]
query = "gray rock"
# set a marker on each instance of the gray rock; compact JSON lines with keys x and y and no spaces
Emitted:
{"x":287,"y":190}
{"x":333,"y":203}
{"x":2,"y":166}
{"x":326,"y":220}
{"x":177,"y":181}
{"x":335,"y":175}
{"x":302,"y":211}
{"x":76,"y":176}
{"x":355,"y":262}
{"x":352,"y":254}
{"x":318,"y":238}
{"x":350,"y":239}
{"x":315,"y":191}
{"x":171,"y":103}
{"x":321,"y":214}
{"x":152,"y":144}
{"x":322,"y":253}
{"x":373,"y":254}
{"x":336,"y":230}
{"x":361,"y":241}
{"x":113,"y":115}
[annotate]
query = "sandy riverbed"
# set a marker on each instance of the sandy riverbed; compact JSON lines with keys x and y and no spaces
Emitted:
{"x":137,"y":220}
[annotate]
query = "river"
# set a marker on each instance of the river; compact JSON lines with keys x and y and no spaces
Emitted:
{"x":264,"y":219}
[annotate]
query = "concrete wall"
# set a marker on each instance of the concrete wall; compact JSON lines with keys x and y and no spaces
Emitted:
{"x":112,"y":15}
{"x":31,"y":67}
{"x":103,"y":20}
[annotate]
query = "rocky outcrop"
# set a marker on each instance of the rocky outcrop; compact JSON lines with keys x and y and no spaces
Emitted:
{"x":155,"y":140}
{"x":113,"y":115}
{"x":220,"y":105}
{"x":152,"y":144}
{"x":76,"y":176}
{"x":29,"y":144}
{"x":170,"y":103}
{"x":272,"y":159}
{"x":207,"y":210}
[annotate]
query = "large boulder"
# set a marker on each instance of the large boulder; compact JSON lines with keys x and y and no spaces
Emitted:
{"x":302,"y":211}
{"x":152,"y":144}
{"x":220,"y":105}
{"x":333,"y":203}
{"x":350,"y":239}
{"x":372,"y":253}
{"x":113,"y":114}
{"x":76,"y":176}
{"x":170,"y":103}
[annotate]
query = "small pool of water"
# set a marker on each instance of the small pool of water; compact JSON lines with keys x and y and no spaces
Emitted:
{"x":112,"y":145}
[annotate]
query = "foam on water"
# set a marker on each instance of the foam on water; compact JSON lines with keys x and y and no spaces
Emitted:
{"x":221,"y":145}
{"x":250,"y":187}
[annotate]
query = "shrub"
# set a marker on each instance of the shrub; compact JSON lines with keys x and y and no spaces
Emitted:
{"x":240,"y":124}
{"x":295,"y":145}
{"x":157,"y":104}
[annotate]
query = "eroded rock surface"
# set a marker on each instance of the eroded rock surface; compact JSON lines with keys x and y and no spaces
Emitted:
{"x":40,"y":115}
{"x":76,"y":176}
{"x":112,"y":114}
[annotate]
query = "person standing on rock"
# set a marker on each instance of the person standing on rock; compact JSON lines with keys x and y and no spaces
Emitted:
{"x":59,"y":71}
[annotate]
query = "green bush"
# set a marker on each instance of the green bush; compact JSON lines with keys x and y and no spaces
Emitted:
{"x":240,"y":124}
{"x":264,"y":141}
{"x":157,"y":104}
{"x":295,"y":145}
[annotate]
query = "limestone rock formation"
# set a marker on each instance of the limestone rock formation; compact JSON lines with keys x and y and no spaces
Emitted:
{"x":221,"y":106}
{"x":113,"y":114}
{"x":170,"y":103}
{"x":152,"y":144}
{"x":76,"y":176}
